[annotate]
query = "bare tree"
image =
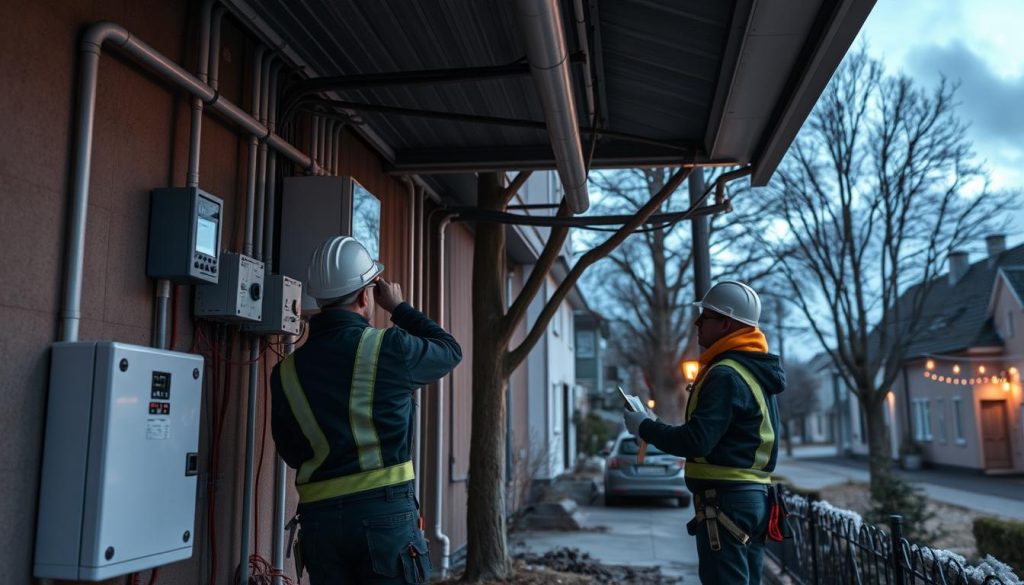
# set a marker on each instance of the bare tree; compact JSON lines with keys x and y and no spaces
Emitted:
{"x":879,"y":186}
{"x":494,"y":360}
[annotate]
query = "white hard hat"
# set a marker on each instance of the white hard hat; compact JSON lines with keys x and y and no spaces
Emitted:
{"x":734,"y":300}
{"x":339,"y":267}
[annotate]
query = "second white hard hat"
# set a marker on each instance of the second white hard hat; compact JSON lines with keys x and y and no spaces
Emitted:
{"x":734,"y":300}
{"x":339,"y":267}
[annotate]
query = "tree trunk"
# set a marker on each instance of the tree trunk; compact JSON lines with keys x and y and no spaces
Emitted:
{"x":879,"y":449}
{"x":487,"y":551}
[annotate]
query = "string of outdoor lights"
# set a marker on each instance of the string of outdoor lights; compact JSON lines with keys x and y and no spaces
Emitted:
{"x":980,"y":375}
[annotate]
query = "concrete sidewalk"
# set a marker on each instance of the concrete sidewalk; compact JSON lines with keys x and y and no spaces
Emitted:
{"x":647,"y":534}
{"x":812,"y":468}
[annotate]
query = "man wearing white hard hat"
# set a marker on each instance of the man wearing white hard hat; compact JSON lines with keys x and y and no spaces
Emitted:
{"x":730,"y":437}
{"x":342,"y":417}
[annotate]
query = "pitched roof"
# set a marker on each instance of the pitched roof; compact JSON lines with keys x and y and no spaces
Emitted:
{"x":956,"y":317}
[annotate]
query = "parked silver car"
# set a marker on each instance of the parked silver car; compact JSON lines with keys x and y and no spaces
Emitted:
{"x":661,"y":475}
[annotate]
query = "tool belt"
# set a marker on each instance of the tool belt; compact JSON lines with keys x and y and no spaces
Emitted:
{"x":711,"y":516}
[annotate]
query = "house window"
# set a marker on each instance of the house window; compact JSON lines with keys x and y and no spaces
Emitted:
{"x":958,"y":422}
{"x":940,"y":412}
{"x":922,"y":420}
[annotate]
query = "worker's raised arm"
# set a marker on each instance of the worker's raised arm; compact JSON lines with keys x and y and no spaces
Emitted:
{"x":430,"y":351}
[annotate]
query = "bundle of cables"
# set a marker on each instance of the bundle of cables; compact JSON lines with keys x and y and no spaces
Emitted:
{"x":261,"y":572}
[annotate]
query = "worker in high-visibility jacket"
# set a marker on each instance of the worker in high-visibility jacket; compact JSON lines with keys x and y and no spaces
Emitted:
{"x":342,"y":417}
{"x":730,"y":436}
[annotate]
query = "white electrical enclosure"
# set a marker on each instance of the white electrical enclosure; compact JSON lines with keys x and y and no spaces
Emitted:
{"x":282,"y":307}
{"x":120,"y":462}
{"x":238,"y":294}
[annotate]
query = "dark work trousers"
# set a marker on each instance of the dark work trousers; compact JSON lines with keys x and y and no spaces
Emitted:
{"x":372,"y":537}
{"x":735,"y":564}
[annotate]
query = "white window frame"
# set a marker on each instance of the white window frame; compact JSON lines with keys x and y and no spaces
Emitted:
{"x":958,"y":421}
{"x":922,"y":420}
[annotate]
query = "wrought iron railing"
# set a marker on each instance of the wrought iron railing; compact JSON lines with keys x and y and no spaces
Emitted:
{"x":835,"y":547}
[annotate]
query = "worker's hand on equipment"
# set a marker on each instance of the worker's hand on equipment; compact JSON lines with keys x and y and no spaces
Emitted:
{"x":387,"y":294}
{"x":633,"y":420}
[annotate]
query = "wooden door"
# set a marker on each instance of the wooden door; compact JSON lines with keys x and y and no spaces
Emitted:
{"x":995,"y":435}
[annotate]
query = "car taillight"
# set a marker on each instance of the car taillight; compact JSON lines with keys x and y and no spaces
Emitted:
{"x":614,"y":463}
{"x":681,"y":462}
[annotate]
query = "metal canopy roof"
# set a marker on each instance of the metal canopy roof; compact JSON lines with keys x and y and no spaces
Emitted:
{"x":676,"y":81}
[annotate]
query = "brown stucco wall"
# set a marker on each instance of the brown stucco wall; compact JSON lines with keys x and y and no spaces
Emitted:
{"x":141,"y":134}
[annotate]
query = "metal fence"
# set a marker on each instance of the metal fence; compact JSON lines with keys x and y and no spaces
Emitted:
{"x":833,"y":547}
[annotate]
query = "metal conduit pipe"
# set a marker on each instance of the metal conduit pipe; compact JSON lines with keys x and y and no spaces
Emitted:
{"x":440,"y":459}
{"x":588,"y":79}
{"x":411,"y":287}
{"x":322,"y":150}
{"x":548,"y":55}
{"x":251,"y":247}
{"x":270,"y":219}
{"x":92,"y":42}
{"x":336,"y":162}
{"x":214,"y":55}
{"x":724,"y":178}
{"x":261,"y":165}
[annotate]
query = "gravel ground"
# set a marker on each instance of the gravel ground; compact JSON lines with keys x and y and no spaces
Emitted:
{"x":953,"y":523}
{"x":568,"y":566}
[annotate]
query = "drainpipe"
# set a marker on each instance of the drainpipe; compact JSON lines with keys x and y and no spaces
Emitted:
{"x":92,"y":42}
{"x":214,"y":57}
{"x":720,"y":194}
{"x":546,"y":51}
{"x":412,"y":283}
{"x":335,"y":164}
{"x":439,"y":462}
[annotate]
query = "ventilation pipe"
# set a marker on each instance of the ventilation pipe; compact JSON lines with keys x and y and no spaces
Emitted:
{"x":957,"y":266}
{"x":996,"y":245}
{"x":548,"y":56}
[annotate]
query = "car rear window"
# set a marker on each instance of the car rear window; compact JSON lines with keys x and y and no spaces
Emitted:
{"x":629,"y":447}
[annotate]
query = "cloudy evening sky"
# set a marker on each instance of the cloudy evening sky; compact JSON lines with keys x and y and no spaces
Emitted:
{"x":977,"y":42}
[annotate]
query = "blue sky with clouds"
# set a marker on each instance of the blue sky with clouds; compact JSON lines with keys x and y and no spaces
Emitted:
{"x":979,"y":43}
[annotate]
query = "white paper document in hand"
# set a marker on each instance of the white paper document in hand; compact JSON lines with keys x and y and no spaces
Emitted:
{"x":633,"y":401}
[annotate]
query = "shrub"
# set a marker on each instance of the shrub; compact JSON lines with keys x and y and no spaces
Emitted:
{"x":895,"y":496}
{"x":592,"y":432}
{"x":1001,"y":539}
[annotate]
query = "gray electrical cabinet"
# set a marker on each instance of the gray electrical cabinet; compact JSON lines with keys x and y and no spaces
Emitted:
{"x":238,"y":295}
{"x":120,"y":461}
{"x":184,"y":235}
{"x":316,"y":208}
{"x":282,"y":307}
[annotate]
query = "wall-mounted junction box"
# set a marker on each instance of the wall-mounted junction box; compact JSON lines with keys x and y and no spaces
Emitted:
{"x":238,"y":295}
{"x":184,"y":235}
{"x":120,"y":462}
{"x":282,"y":307}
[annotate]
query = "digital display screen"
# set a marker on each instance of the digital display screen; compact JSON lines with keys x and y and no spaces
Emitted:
{"x":206,"y":236}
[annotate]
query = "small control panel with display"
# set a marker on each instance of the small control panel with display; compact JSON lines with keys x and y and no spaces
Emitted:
{"x":184,"y":236}
{"x":161,"y":388}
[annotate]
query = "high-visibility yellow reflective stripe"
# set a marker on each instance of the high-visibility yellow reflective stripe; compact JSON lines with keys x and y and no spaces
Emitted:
{"x":360,"y":405}
{"x":720,"y":472}
{"x":355,"y":483}
{"x":307,"y":422}
{"x":767,"y":435}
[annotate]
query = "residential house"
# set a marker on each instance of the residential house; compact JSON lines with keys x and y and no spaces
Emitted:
{"x":591,"y":343}
{"x":959,"y":394}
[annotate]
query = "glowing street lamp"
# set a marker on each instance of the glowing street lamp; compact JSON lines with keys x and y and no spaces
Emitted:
{"x":690,"y":369}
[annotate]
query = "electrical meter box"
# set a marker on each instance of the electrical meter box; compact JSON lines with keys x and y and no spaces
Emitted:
{"x":120,"y":462}
{"x":184,"y":235}
{"x":238,"y":295}
{"x":316,"y":208}
{"x":282,"y":307}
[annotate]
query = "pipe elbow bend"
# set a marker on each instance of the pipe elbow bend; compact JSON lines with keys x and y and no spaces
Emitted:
{"x":104,"y":31}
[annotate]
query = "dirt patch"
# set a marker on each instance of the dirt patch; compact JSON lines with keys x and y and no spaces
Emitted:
{"x":569,"y":566}
{"x":954,"y":524}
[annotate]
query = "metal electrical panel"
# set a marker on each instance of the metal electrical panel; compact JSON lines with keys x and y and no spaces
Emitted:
{"x":184,"y":235}
{"x":282,"y":307}
{"x":238,"y":296}
{"x":312,"y":210}
{"x":316,"y":208}
{"x":118,"y":491}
